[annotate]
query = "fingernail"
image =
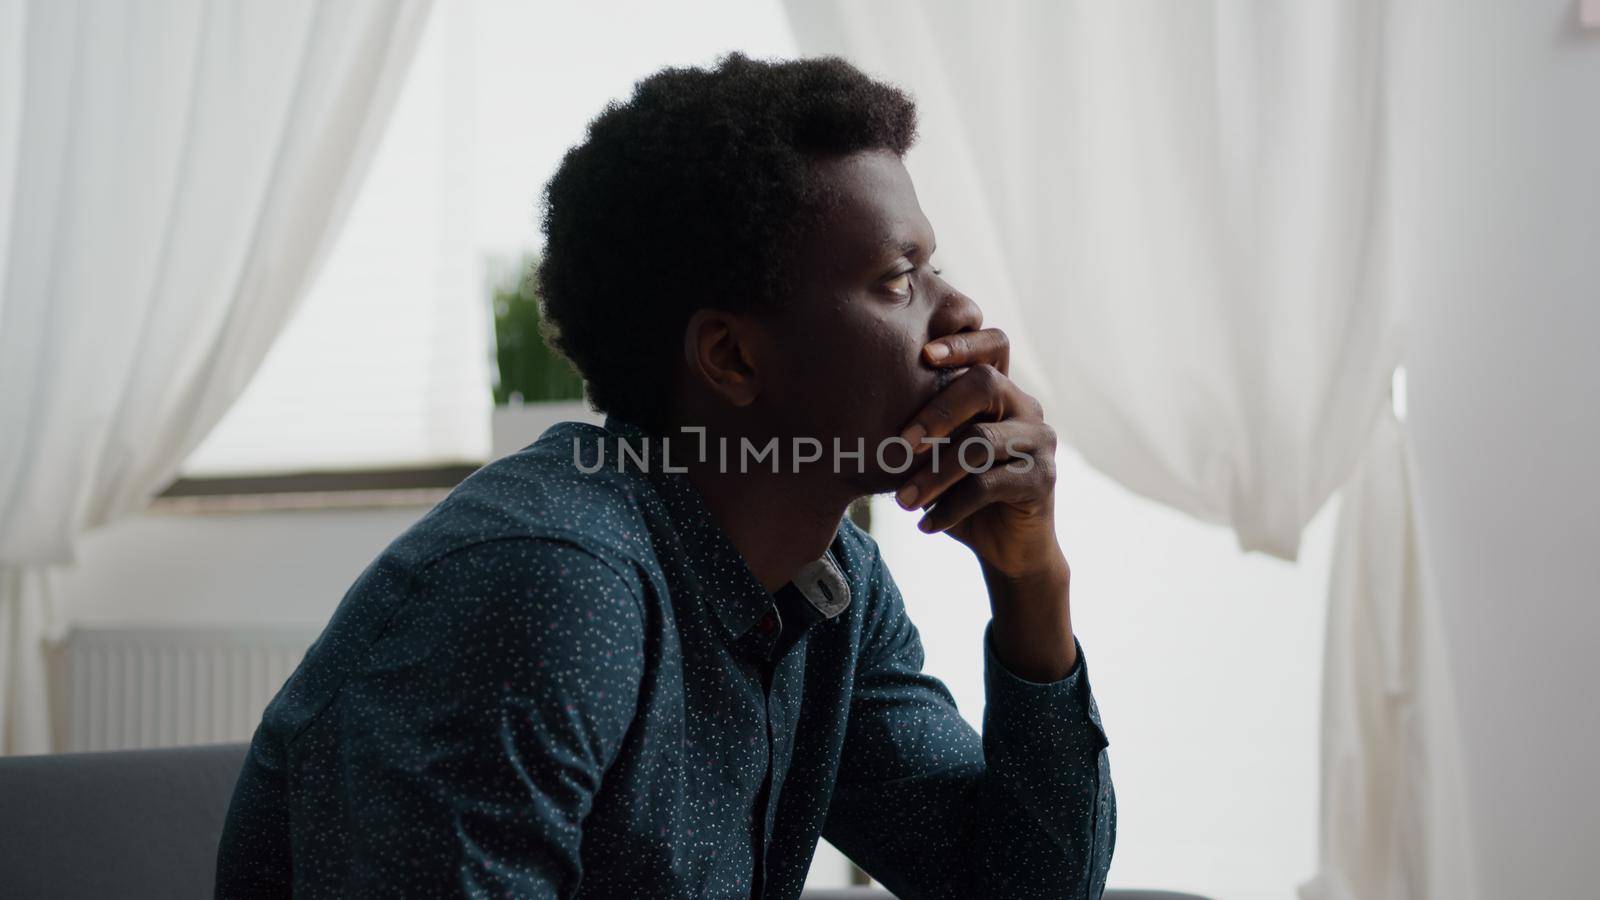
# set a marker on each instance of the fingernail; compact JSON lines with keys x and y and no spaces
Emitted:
{"x":914,"y":436}
{"x":926,"y":525}
{"x":937,"y":352}
{"x":907,"y":496}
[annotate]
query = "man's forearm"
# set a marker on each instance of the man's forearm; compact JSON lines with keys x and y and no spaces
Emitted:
{"x":1033,"y":620}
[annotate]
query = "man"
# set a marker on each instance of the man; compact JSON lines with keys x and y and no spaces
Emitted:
{"x":656,"y":659}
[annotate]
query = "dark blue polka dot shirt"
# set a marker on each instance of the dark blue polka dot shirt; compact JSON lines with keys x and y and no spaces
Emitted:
{"x":562,"y":683}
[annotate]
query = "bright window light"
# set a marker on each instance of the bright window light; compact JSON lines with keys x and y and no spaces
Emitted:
{"x":387,"y":361}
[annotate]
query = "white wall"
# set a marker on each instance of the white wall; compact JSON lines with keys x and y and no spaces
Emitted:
{"x":1498,"y":134}
{"x":243,"y":569}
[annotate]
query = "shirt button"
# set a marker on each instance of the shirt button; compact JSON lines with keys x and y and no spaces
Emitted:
{"x":768,"y":623}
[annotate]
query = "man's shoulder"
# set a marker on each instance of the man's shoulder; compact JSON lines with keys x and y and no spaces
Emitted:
{"x":861,"y":562}
{"x":546,"y":492}
{"x":855,"y":551}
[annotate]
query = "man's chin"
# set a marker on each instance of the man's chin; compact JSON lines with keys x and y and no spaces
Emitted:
{"x":943,"y":377}
{"x":875,"y":481}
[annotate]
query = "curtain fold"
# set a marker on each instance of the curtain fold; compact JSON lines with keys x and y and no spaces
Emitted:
{"x":1394,"y":825}
{"x":1180,"y":213}
{"x":180,"y":169}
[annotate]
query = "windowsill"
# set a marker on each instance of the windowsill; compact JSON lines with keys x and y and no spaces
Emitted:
{"x":421,"y":486}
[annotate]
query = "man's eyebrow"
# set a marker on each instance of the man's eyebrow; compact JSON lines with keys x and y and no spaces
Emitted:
{"x":903,"y":248}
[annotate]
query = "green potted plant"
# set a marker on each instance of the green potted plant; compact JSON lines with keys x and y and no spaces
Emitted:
{"x":535,"y":386}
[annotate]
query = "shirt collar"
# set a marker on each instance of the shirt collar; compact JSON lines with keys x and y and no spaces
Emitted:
{"x":735,"y":595}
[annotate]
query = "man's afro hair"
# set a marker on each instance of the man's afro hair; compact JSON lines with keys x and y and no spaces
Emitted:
{"x":692,"y":194}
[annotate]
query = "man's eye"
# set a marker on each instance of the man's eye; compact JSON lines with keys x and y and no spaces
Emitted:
{"x":900,"y":284}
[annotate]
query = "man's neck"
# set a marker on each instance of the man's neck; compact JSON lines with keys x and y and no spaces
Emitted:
{"x":778,"y":523}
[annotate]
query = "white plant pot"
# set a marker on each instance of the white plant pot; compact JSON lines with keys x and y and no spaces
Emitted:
{"x":517,"y":425}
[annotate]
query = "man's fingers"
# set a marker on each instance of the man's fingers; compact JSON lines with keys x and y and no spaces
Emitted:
{"x":980,"y":392}
{"x":977,"y":391}
{"x":970,"y":348}
{"x":977,"y":447}
{"x":998,"y":485}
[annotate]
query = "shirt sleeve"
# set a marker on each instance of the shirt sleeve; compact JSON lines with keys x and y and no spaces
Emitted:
{"x":932,"y":809}
{"x":484,"y":720}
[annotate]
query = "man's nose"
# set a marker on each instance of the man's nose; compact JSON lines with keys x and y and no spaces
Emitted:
{"x":955,"y":313}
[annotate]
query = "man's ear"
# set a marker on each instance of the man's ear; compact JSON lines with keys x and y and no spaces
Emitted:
{"x":719,"y":351}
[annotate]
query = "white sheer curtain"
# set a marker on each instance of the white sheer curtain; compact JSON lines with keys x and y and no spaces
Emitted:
{"x":179,"y":170}
{"x":1179,"y":212}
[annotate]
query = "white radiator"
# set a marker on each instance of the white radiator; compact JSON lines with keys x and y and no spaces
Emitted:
{"x":123,"y":688}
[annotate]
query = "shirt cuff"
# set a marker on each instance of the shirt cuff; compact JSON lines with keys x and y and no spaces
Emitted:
{"x":1056,"y":716}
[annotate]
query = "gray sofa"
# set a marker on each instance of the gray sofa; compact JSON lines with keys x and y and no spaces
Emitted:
{"x":143,"y":824}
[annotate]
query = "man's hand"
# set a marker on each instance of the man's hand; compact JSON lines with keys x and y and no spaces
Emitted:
{"x":1004,"y":509}
{"x":1005,"y":513}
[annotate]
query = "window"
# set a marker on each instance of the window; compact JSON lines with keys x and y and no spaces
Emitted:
{"x":386,"y":364}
